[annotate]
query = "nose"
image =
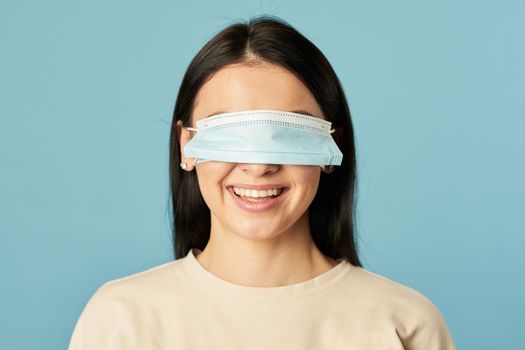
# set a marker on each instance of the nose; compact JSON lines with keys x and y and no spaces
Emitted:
{"x":258,"y":169}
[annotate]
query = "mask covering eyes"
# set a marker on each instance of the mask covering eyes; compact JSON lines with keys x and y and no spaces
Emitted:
{"x":264,"y":136}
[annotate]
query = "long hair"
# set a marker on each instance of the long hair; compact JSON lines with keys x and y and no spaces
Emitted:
{"x":269,"y":39}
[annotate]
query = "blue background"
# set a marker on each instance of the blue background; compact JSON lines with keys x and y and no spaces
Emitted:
{"x":436,"y":95}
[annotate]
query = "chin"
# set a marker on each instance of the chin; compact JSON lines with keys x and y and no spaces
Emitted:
{"x":256,"y":232}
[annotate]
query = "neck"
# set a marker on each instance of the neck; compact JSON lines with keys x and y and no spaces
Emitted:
{"x":287,"y":258}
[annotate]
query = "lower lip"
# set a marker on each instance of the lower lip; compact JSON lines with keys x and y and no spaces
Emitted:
{"x":259,"y":206}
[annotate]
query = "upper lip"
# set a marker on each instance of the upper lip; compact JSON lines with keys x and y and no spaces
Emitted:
{"x":257,"y":186}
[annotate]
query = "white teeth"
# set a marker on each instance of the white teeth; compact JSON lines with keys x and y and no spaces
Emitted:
{"x":246,"y":192}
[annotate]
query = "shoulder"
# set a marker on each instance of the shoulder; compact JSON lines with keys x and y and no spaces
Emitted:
{"x":393,"y":294}
{"x":156,"y":280}
{"x":127,"y":296}
{"x":119,"y":306}
{"x":417,"y":320}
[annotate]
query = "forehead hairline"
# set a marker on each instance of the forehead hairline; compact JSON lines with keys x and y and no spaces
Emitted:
{"x":300,"y":111}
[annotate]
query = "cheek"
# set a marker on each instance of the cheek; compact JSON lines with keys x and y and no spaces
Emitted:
{"x":210,"y":176}
{"x":308,"y":175}
{"x":313,"y":185}
{"x":306,"y":180}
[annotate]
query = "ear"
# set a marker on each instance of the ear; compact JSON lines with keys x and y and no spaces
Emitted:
{"x":338,"y":136}
{"x":328,"y":169}
{"x":183,"y":136}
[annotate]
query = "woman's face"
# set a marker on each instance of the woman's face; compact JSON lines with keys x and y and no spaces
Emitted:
{"x":241,"y":87}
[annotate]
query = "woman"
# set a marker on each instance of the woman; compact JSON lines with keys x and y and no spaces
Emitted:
{"x":266,"y":252}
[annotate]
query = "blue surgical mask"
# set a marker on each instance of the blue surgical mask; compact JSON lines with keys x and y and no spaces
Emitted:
{"x":264,"y":136}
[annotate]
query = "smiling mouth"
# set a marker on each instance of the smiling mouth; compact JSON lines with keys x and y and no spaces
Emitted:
{"x":261,"y":204}
{"x":249,"y":198}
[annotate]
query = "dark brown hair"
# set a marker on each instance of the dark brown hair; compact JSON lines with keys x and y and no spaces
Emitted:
{"x":269,"y":39}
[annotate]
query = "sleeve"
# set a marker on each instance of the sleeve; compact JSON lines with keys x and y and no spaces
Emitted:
{"x":93,"y":328}
{"x":426,"y":328}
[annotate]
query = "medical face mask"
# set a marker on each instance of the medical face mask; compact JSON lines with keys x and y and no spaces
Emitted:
{"x":264,"y":136}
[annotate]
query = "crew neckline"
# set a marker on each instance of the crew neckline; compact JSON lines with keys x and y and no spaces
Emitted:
{"x":234,"y":291}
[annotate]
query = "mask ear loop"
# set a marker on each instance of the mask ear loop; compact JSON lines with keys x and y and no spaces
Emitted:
{"x":192,"y":129}
{"x":323,"y":166}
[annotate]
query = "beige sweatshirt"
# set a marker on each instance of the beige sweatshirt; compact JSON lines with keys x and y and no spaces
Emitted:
{"x":181,"y":305}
